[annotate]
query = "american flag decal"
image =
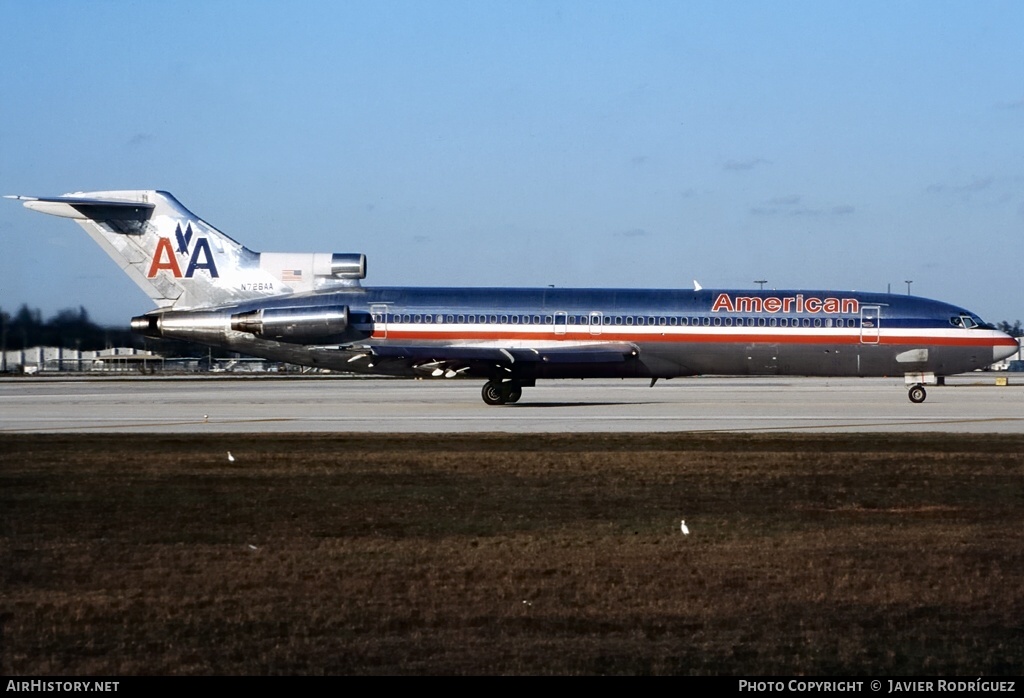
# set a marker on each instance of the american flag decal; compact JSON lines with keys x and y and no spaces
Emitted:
{"x":291,"y":275}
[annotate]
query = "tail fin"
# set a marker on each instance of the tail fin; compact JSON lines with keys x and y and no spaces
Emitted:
{"x":181,"y":261}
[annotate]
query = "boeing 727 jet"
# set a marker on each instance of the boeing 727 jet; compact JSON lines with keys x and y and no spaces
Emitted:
{"x":310,"y":309}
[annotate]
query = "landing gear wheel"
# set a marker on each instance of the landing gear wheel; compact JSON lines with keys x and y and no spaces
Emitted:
{"x":515,"y":392}
{"x":493,"y":394}
{"x":917,"y":394}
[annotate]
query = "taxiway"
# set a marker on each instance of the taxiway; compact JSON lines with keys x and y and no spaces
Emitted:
{"x":970,"y":403}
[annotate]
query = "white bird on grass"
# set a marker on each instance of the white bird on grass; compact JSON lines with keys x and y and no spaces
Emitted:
{"x":683,"y":528}
{"x":231,"y":458}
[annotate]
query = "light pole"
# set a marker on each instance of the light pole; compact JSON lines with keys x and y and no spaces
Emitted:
{"x":908,"y":282}
{"x":762,"y":282}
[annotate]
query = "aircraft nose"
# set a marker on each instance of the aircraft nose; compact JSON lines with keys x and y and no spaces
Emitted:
{"x":1006,"y":346}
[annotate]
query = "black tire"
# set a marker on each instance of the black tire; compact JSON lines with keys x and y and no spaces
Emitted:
{"x":515,"y":391}
{"x":917,"y":394}
{"x":493,"y":394}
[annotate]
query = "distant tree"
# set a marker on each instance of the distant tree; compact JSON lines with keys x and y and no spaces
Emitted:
{"x":1014,"y":330}
{"x":5,"y":322}
{"x":72,"y":329}
{"x":24,"y":326}
{"x":26,"y":317}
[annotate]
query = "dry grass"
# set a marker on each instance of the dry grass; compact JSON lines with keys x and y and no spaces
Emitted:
{"x":503,"y":554}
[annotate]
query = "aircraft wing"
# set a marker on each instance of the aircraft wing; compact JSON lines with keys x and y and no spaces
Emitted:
{"x":588,"y":353}
{"x":455,"y":359}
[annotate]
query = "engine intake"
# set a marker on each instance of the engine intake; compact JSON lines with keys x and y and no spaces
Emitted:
{"x":348,"y":266}
{"x":300,"y":325}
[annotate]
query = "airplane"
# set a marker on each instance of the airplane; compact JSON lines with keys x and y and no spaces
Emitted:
{"x":311,"y":310}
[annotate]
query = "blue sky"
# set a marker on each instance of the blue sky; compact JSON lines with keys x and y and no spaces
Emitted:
{"x":831,"y":145}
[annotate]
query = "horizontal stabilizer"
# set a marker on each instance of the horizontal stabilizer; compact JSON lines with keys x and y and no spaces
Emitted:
{"x":81,"y":208}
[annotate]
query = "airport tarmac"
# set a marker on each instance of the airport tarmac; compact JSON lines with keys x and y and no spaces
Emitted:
{"x":971,"y":403}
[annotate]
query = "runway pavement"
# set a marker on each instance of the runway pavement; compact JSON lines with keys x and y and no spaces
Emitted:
{"x":971,"y":403}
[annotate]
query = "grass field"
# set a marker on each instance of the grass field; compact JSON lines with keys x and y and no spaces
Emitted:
{"x":512,"y":554}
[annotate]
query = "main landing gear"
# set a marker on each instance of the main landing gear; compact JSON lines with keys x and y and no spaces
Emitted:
{"x":502,"y":393}
{"x":917,"y":393}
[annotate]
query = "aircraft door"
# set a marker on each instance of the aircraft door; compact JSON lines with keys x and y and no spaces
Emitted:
{"x":379,"y":313}
{"x":560,"y":322}
{"x":870,"y":319}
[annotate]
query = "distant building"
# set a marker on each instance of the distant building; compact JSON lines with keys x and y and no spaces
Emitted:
{"x":126,"y":359}
{"x":47,"y":359}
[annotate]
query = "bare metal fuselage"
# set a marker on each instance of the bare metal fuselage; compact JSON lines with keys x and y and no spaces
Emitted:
{"x":674,"y":333}
{"x":309,"y":309}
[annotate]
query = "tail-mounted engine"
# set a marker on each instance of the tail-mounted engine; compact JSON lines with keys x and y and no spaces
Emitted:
{"x":311,"y":324}
{"x":307,"y":272}
{"x":300,"y":325}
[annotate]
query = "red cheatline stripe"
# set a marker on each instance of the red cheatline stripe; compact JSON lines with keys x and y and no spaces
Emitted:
{"x":679,"y":338}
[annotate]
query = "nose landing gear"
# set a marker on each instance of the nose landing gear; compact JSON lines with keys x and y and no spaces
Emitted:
{"x":917,"y":393}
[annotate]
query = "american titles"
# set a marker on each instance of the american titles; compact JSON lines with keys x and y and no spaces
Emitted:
{"x":787,"y":304}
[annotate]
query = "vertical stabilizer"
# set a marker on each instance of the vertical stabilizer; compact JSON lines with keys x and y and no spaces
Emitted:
{"x":178,"y":259}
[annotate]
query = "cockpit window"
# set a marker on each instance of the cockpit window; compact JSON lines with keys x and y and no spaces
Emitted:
{"x":968,"y":322}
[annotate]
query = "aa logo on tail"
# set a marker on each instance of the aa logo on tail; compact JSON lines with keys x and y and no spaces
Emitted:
{"x":200,"y":256}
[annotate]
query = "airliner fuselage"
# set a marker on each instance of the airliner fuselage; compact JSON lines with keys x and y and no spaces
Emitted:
{"x":309,"y":309}
{"x":521,"y":335}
